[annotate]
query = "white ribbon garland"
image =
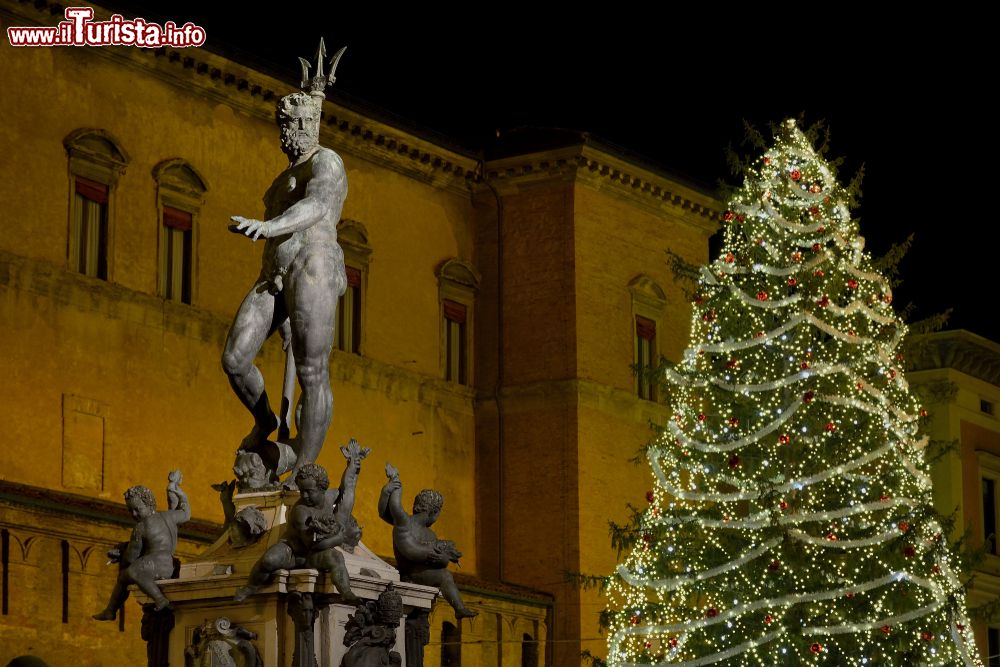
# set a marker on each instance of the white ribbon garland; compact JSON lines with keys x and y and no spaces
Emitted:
{"x":677,"y":582}
{"x":676,"y":431}
{"x":871,"y":625}
{"x":803,"y":536}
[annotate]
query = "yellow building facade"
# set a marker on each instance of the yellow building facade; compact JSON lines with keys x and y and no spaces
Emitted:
{"x":484,"y":348}
{"x":957,"y":373}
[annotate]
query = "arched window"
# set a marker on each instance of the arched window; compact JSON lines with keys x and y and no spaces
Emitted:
{"x":180,"y":192}
{"x":451,"y":645}
{"x":96,"y":161}
{"x":458,"y":282}
{"x":349,"y":332}
{"x":529,"y":651}
{"x":648,"y":301}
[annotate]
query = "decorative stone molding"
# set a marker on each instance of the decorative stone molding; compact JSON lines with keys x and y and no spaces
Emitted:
{"x":960,"y":350}
{"x":599,"y":168}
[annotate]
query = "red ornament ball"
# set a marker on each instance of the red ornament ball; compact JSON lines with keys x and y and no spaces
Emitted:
{"x":816,"y":648}
{"x":708,"y":315}
{"x":647,"y":537}
{"x":792,"y":282}
{"x":701,"y":416}
{"x":909,"y":552}
{"x":734,"y":461}
{"x":767,"y":160}
{"x":852,"y":283}
{"x":767,"y":619}
{"x":711,"y":612}
{"x":923,"y":413}
{"x":741,"y":218}
{"x":673,"y":642}
{"x":634,"y":620}
{"x":650,"y":497}
{"x":885,"y":629}
{"x":774,"y":565}
{"x":699,"y":299}
{"x":762,"y":295}
{"x":759,"y":334}
{"x":883,"y":498}
{"x":783,"y":504}
{"x":796,"y":256}
{"x":831,"y":536}
{"x":821,"y":229}
{"x":818,"y":273}
{"x":807,"y":397}
{"x":903,"y":526}
{"x":850,"y":595}
{"x":733,"y":421}
{"x":730,"y":258}
{"x":733,"y":363}
{"x":831,"y":427}
{"x":795,"y":174}
{"x":804,"y":365}
{"x":927,"y":636}
{"x":784,"y":439}
{"x":824,"y":302}
{"x":728,"y":215}
{"x":814,"y":211}
{"x":815,"y":188}
{"x":816,"y":247}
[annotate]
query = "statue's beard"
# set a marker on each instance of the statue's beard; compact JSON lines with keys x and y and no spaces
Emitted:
{"x":295,"y":144}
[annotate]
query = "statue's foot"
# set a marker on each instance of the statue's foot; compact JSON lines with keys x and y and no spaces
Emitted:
{"x":258,"y":434}
{"x":244,"y":592}
{"x":106,"y":615}
{"x":161,"y":604}
{"x":465,"y":613}
{"x":348,"y":597}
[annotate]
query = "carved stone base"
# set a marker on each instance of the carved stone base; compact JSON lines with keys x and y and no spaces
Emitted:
{"x":283,"y":615}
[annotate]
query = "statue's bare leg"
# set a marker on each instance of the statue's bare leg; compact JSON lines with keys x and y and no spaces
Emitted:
{"x":312,"y":288}
{"x":259,"y":315}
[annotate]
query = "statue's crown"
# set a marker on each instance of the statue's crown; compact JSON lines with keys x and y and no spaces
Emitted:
{"x":318,"y":83}
{"x":389,"y":607}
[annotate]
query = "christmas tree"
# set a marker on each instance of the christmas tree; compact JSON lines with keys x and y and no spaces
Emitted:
{"x":792,"y":520}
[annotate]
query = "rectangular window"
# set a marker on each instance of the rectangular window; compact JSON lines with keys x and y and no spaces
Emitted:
{"x":990,"y":514}
{"x":348,"y":331}
{"x":455,"y":345}
{"x":645,"y":346}
{"x":175,"y":255}
{"x":993,"y":647}
{"x":88,"y":238}
{"x":986,"y":406}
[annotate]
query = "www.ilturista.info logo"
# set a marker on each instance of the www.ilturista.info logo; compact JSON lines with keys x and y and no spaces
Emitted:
{"x":79,"y":29}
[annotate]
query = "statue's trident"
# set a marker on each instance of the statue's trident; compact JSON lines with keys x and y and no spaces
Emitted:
{"x":318,"y":84}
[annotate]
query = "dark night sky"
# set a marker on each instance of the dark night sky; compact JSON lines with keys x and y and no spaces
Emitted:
{"x":901,"y":94}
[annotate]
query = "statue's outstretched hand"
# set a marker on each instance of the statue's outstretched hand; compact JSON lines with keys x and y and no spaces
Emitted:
{"x":391,"y":472}
{"x":354,"y":452}
{"x":249,"y":227}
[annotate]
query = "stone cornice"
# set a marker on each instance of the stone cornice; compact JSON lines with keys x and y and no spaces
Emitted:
{"x":960,"y":350}
{"x":94,"y":509}
{"x":255,"y":93}
{"x":604,"y":171}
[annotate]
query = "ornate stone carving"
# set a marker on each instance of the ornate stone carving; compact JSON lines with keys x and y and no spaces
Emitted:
{"x":221,"y":644}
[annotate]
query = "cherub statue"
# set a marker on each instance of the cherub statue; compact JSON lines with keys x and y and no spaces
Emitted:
{"x":420,"y":556}
{"x":318,"y":523}
{"x":149,"y":554}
